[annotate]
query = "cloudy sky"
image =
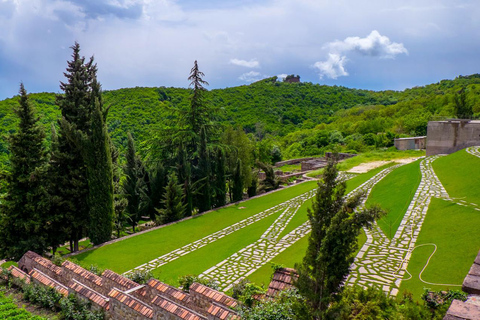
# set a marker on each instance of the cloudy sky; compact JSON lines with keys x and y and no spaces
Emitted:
{"x":368,"y":44}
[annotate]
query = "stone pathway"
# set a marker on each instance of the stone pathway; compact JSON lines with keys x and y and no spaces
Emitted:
{"x":177,"y":253}
{"x":382,"y":261}
{"x":474,"y":151}
{"x":249,"y":259}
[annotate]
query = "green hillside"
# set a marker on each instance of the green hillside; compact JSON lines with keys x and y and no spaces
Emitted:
{"x":303,"y":118}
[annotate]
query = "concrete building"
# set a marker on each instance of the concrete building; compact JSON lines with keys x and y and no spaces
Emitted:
{"x":445,"y":137}
{"x":410,"y":143}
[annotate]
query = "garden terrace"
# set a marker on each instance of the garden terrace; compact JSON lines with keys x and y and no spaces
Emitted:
{"x":41,"y":278}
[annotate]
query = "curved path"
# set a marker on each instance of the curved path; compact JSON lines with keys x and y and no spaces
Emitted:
{"x":383,"y":262}
{"x":249,"y":259}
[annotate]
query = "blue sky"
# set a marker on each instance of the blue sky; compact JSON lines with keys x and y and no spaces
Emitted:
{"x":368,"y":44}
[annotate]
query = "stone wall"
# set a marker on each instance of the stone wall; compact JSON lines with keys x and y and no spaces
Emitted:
{"x":411,"y":143}
{"x":445,"y":137}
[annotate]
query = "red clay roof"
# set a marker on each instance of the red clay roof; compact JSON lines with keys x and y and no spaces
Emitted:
{"x":131,"y":302}
{"x":88,"y":293}
{"x":175,"y":309}
{"x":282,"y":280}
{"x":82,"y":272}
{"x":215,"y":295}
{"x":222,"y":312}
{"x":47,"y":264}
{"x":17,"y":273}
{"x":121,"y":280}
{"x":167,"y":290}
{"x":47,"y":281}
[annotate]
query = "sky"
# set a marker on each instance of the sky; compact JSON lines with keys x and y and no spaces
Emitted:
{"x":366,"y":44}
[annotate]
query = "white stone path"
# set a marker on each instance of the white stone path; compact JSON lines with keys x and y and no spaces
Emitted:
{"x":382,"y":261}
{"x":177,"y":253}
{"x":249,"y":259}
{"x":474,"y":151}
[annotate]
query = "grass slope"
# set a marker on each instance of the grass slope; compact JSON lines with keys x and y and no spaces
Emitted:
{"x":127,"y":254}
{"x":459,"y":174}
{"x":454,"y":229}
{"x":394,"y":194}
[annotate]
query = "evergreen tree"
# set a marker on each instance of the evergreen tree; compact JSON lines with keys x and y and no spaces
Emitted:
{"x":153,"y":195}
{"x":237,"y":192}
{"x":22,"y":211}
{"x":220,"y":179}
{"x":252,"y":188}
{"x":204,"y":174}
{"x":174,"y":208}
{"x":134,"y":183}
{"x":185,"y":176}
{"x":71,"y":185}
{"x":332,"y":241}
{"x":462,"y":108}
{"x":271,"y":181}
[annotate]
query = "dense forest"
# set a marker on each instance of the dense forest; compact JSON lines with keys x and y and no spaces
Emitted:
{"x":299,"y":118}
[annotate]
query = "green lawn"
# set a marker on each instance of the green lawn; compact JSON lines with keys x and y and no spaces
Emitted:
{"x":454,"y":229}
{"x":459,"y":173}
{"x":394,"y":194}
{"x":129,"y":253}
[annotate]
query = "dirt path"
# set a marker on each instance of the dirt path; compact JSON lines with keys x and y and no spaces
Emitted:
{"x":365,"y":167}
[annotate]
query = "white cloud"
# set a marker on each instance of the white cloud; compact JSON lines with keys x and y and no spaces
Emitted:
{"x":333,"y":68}
{"x":250,"y":76}
{"x":253,"y":63}
{"x":282,"y":76}
{"x":374,"y":45}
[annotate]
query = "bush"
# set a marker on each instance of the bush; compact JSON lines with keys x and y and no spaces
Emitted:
{"x":140,"y":276}
{"x":188,"y":280}
{"x":75,"y":309}
{"x":45,"y":297}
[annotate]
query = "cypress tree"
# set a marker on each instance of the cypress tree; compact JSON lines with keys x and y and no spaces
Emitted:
{"x":156,"y":189}
{"x":204,"y":192}
{"x":134,"y":183}
{"x":332,"y":242}
{"x":252,"y":188}
{"x":237,"y":192}
{"x":185,"y":177}
{"x":174,"y":208}
{"x":71,"y":185}
{"x":220,"y":179}
{"x":22,"y":215}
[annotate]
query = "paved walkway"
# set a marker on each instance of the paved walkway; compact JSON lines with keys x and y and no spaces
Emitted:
{"x":474,"y":151}
{"x":249,"y":259}
{"x":177,"y":253}
{"x":382,"y":261}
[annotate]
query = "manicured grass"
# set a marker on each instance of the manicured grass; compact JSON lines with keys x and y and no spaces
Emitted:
{"x":8,"y":264}
{"x":459,"y":173}
{"x":454,"y":229}
{"x":290,"y":167}
{"x":394,"y":194}
{"x":292,"y":255}
{"x":357,"y":181}
{"x":127,"y":254}
{"x":206,"y":257}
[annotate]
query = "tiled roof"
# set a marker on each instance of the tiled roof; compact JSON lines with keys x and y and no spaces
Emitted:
{"x":282,"y":280}
{"x":175,"y":309}
{"x":221,"y":312}
{"x":17,"y":273}
{"x":31,"y":255}
{"x":47,"y":281}
{"x":168,"y":290}
{"x":82,"y":272}
{"x":121,"y":280}
{"x":131,"y":302}
{"x":48,"y":264}
{"x":215,"y":295}
{"x":89,"y":293}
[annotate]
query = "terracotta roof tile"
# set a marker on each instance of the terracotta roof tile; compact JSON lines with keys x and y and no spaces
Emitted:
{"x":47,"y":281}
{"x":81,"y":272}
{"x":131,"y":302}
{"x":215,"y":295}
{"x":47,"y":264}
{"x":222,"y":312}
{"x":88,"y":293}
{"x":282,"y":279}
{"x":173,"y":308}
{"x":166,"y":290}
{"x":121,"y":280}
{"x":19,"y":274}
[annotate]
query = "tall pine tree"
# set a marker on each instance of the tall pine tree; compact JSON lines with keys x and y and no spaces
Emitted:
{"x":23,"y":210}
{"x":173,"y":206}
{"x":71,"y":185}
{"x":332,"y":242}
{"x":220,"y":179}
{"x":237,"y":191}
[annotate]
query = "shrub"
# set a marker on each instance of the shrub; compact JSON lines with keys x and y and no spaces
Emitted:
{"x":140,"y":276}
{"x":188,"y":280}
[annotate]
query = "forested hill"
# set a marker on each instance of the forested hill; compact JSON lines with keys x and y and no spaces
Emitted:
{"x":289,"y":112}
